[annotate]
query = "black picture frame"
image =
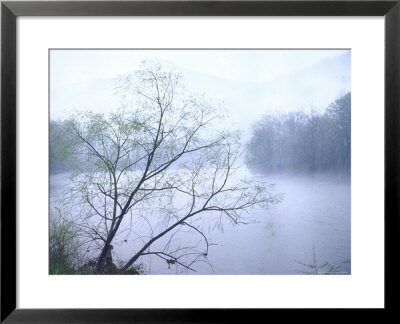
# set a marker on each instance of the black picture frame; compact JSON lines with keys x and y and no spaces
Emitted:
{"x":10,"y":10}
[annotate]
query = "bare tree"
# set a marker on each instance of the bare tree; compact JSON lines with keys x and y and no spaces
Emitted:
{"x":163,"y":158}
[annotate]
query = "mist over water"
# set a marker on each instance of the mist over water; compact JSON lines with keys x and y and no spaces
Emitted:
{"x":279,"y":117}
{"x":311,"y":223}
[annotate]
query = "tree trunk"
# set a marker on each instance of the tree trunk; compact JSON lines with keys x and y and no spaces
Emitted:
{"x":103,"y":263}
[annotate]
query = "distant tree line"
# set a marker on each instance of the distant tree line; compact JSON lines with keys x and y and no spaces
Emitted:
{"x":292,"y":142}
{"x":59,"y":156}
{"x":300,"y":142}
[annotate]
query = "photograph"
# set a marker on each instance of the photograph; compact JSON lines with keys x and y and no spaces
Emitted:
{"x":199,"y":161}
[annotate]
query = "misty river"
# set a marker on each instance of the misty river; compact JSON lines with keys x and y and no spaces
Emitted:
{"x":310,"y":226}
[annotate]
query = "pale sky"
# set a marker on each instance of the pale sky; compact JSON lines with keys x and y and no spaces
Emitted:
{"x":250,"y":82}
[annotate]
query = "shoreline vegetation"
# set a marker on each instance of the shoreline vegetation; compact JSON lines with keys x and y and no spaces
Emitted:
{"x":66,"y":255}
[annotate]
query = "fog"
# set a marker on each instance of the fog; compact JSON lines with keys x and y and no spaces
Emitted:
{"x":247,"y":84}
{"x":284,"y":116}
